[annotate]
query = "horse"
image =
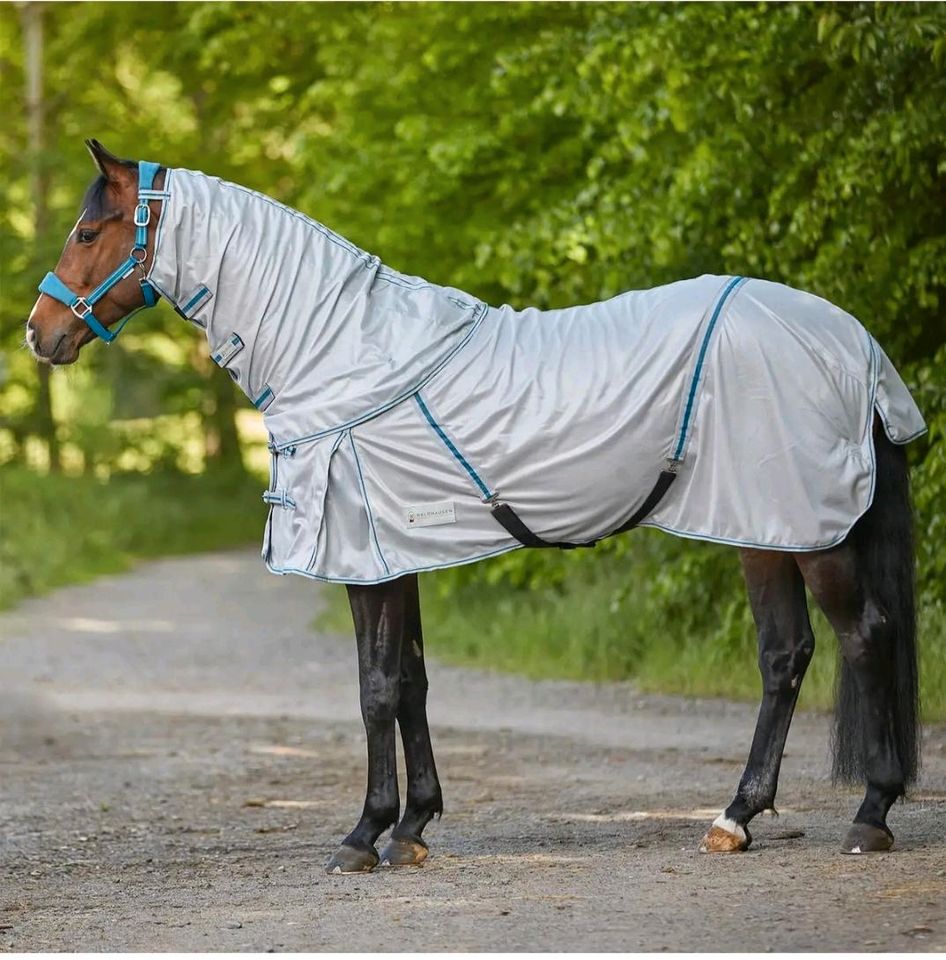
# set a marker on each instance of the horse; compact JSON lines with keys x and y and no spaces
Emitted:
{"x":358,"y":369}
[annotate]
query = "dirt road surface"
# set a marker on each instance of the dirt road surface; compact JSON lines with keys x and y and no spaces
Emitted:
{"x":180,"y":753}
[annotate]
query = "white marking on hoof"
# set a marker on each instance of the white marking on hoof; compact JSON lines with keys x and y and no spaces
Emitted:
{"x":337,"y":870}
{"x":724,"y":836}
{"x":730,"y":826}
{"x":385,"y":863}
{"x":856,"y":850}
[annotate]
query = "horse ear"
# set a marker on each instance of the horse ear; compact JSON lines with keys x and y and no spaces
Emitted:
{"x":110,"y":166}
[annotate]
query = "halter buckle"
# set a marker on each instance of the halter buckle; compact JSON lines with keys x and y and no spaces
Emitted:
{"x":81,"y":308}
{"x":142,"y":215}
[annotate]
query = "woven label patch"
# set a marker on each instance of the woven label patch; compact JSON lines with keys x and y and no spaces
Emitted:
{"x":231,"y":347}
{"x":430,"y":514}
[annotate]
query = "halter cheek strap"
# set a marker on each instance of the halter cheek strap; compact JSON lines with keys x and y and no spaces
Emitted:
{"x":82,"y":306}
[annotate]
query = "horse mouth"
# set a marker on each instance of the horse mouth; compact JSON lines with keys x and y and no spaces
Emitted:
{"x":65,"y":351}
{"x":64,"y":358}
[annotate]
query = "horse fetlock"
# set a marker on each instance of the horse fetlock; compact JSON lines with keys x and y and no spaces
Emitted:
{"x":380,"y":817}
{"x":417,"y":815}
{"x":431,"y":804}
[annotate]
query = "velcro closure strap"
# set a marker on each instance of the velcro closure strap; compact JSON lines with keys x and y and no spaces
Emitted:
{"x":265,"y":398}
{"x":195,"y":301}
{"x":279,"y":498}
{"x":231,"y":347}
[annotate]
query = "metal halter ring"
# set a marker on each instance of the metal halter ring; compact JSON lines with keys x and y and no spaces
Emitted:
{"x":144,"y":254}
{"x":81,"y":308}
{"x":142,"y":219}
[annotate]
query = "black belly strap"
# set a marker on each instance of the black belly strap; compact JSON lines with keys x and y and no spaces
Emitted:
{"x":511,"y":520}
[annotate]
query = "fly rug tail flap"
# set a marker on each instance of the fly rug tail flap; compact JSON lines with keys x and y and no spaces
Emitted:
{"x":414,"y":427}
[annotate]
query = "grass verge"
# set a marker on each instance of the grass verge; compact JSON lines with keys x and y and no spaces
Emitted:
{"x":57,"y":530}
{"x":592,"y":626}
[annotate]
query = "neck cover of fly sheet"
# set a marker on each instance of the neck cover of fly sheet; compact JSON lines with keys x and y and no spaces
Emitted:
{"x":400,"y":412}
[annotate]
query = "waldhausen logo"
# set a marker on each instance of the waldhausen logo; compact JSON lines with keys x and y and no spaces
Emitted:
{"x":430,"y":514}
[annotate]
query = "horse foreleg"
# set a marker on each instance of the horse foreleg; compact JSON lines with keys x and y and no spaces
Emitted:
{"x":378,"y":611}
{"x":786,"y":643}
{"x":424,"y":798}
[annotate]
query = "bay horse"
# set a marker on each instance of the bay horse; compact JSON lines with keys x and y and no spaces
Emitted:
{"x":220,"y":268}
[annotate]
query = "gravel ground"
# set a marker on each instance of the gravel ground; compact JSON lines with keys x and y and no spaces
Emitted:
{"x":180,"y":754}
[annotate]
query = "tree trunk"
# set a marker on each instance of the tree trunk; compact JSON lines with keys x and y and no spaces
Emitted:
{"x":218,"y":412}
{"x":221,"y":437}
{"x":32,"y":23}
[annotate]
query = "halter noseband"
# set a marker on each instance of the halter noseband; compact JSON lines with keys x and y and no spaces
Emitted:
{"x":82,"y":306}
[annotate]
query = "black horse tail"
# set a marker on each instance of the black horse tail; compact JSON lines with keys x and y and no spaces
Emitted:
{"x":883,"y":542}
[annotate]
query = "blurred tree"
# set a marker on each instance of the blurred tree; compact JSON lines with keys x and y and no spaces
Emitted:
{"x":32,"y":19}
{"x":540,"y":153}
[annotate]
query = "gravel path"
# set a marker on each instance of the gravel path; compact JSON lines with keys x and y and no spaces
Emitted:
{"x":180,"y":753}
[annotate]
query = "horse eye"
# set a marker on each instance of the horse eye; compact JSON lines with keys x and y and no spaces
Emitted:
{"x":87,"y":236}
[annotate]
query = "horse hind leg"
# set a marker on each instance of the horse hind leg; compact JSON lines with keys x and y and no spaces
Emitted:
{"x":869,"y":752}
{"x":865,"y":588}
{"x":786,"y":644}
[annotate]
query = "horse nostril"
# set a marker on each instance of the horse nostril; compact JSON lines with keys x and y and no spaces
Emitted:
{"x":41,"y":349}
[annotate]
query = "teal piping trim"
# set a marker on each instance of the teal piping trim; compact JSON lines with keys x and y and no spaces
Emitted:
{"x":364,"y":494}
{"x":873,"y":346}
{"x":704,"y":346}
{"x":869,"y":440}
{"x":687,"y":535}
{"x":315,"y":549}
{"x":474,"y":476}
{"x":283,"y":571}
{"x":479,"y":315}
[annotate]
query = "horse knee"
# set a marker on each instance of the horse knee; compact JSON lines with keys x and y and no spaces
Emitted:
{"x":379,"y":698}
{"x":783,"y":668}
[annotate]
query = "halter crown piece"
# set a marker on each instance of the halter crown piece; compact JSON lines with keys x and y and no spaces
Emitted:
{"x":82,"y":306}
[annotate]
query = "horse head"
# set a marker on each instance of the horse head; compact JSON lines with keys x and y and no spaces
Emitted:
{"x":101,"y":275}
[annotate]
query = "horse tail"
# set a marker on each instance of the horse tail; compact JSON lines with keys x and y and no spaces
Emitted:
{"x":883,"y":544}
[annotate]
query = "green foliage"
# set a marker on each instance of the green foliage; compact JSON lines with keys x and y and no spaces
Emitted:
{"x":71,"y":529}
{"x":671,"y":623}
{"x":929,"y":484}
{"x":542,"y":154}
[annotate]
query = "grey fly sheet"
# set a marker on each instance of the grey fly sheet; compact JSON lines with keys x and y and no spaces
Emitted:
{"x":404,"y":416}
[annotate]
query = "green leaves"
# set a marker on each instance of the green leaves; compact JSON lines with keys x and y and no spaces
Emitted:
{"x":535,"y":153}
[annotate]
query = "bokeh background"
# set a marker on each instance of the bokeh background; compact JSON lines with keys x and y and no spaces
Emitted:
{"x":543,"y":154}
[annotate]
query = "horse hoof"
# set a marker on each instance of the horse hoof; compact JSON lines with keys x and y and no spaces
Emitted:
{"x":864,"y":838}
{"x":352,"y":860}
{"x":725,"y":836}
{"x":401,"y":852}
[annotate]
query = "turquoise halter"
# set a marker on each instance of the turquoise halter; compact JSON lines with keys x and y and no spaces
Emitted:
{"x":82,"y":306}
